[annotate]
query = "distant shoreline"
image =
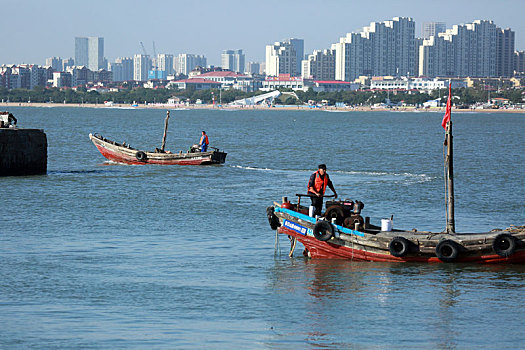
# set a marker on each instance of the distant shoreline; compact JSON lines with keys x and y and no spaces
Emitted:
{"x":257,"y":107}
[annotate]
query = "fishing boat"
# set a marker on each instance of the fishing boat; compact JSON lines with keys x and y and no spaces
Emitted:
{"x":341,"y":232}
{"x":124,"y":153}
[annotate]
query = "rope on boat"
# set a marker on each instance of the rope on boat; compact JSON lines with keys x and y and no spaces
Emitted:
{"x":277,"y":244}
{"x":293,"y":241}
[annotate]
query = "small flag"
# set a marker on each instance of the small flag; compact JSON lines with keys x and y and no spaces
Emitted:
{"x":446,"y":118}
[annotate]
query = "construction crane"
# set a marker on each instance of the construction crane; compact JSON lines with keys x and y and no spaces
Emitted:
{"x":143,"y":49}
{"x":154,"y":59}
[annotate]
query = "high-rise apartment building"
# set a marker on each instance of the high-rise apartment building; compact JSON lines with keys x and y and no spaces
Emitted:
{"x":432,"y":29}
{"x":519,"y":62}
{"x":67,"y":62}
{"x":55,"y":63}
{"x":185,"y":63}
{"x":478,"y":49}
{"x":320,"y":65}
{"x":141,"y":66}
{"x":253,"y":68}
{"x":122,"y":69}
{"x":233,"y":60}
{"x":383,"y":48}
{"x":298,"y":45}
{"x":89,"y":52}
{"x":164,"y":63}
{"x":505,"y":46}
{"x":283,"y":57}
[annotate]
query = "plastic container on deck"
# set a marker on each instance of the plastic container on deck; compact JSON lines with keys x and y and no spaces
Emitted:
{"x":386,"y":225}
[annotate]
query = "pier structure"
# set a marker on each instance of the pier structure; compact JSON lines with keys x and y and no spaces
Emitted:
{"x":23,"y":152}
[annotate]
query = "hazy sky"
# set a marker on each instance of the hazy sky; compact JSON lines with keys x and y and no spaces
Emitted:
{"x":33,"y":30}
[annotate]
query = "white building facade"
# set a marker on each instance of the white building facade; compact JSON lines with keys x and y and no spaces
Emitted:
{"x":478,"y":49}
{"x":284,"y":57}
{"x":233,"y":60}
{"x":141,"y":66}
{"x":382,"y":48}
{"x":319,"y":65}
{"x":185,"y":63}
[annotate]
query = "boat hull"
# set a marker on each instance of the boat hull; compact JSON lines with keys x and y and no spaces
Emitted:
{"x":123,"y":154}
{"x":362,"y":246}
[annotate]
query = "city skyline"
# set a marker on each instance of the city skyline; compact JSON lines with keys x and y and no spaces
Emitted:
{"x":32,"y":36}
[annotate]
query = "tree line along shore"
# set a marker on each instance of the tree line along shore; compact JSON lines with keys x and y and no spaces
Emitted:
{"x":463,"y":98}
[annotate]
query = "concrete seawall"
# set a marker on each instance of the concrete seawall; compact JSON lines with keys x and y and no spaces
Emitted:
{"x":23,"y":152}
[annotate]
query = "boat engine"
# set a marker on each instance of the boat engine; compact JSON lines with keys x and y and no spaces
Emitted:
{"x":194,"y":149}
{"x":346,"y":212}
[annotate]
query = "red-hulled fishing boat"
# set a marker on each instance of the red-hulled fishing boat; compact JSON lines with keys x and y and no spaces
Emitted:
{"x":124,"y":153}
{"x":342,"y":233}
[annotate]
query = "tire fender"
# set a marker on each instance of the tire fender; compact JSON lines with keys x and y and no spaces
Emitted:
{"x":447,"y":250}
{"x":399,"y":246}
{"x":504,"y":245}
{"x":141,"y":156}
{"x":323,"y":230}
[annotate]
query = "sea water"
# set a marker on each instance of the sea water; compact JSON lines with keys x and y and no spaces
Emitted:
{"x":101,"y":255}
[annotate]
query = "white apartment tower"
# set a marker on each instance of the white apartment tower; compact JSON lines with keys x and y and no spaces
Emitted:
{"x":165,"y":63}
{"x":283,"y":57}
{"x":478,"y":49}
{"x":233,"y":60}
{"x":141,"y":66}
{"x":185,"y":63}
{"x":320,"y":65}
{"x":432,"y":29}
{"x":382,"y":48}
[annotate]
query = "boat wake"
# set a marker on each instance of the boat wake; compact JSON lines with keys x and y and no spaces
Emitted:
{"x":382,"y":176}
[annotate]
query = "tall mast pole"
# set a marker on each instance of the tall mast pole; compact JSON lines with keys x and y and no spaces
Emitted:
{"x":451,"y":226}
{"x":165,"y":130}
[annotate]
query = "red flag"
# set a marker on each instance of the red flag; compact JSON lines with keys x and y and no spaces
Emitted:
{"x":446,"y":118}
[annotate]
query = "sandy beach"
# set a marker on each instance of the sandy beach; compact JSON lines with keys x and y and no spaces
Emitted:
{"x":6,"y":105}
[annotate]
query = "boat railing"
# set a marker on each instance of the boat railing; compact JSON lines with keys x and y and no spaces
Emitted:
{"x":299,"y":195}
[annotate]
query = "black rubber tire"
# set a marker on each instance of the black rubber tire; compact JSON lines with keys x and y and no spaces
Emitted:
{"x":399,"y":247}
{"x":323,"y":230}
{"x":272,"y":219}
{"x":447,"y":250}
{"x":335,"y":211}
{"x":504,"y":245}
{"x":141,"y":156}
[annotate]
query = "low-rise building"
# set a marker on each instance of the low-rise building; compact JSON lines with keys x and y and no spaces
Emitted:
{"x":334,"y":85}
{"x":286,"y":81}
{"x":195,"y":83}
{"x":420,"y":84}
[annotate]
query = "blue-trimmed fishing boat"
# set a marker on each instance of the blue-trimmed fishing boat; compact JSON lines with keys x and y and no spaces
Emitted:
{"x":340,"y":232}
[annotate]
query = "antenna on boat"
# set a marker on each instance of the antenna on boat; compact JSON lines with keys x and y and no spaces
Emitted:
{"x":165,"y":131}
{"x":449,"y":165}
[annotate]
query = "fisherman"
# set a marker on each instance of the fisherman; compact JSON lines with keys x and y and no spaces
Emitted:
{"x":7,"y":120}
{"x":204,"y":142}
{"x":317,"y":186}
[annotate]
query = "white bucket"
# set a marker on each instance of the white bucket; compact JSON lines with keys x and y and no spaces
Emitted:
{"x":386,"y":225}
{"x":311,"y":211}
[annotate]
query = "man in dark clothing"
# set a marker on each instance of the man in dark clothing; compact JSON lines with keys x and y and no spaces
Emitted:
{"x":317,"y":186}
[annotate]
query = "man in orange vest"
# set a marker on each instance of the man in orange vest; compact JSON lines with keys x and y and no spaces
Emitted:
{"x":317,"y":186}
{"x":204,"y":142}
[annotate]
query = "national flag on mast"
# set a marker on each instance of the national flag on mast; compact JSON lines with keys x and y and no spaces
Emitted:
{"x":446,"y":118}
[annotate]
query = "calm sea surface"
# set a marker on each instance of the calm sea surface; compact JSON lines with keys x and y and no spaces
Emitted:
{"x":99,"y":255}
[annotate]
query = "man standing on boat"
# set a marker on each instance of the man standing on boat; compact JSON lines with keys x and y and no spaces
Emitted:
{"x":317,"y":186}
{"x":204,"y":142}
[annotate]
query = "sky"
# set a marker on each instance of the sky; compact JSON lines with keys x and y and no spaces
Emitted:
{"x":33,"y":30}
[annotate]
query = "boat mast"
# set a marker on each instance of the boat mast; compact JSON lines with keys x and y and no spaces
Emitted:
{"x":165,"y":131}
{"x":451,"y":227}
